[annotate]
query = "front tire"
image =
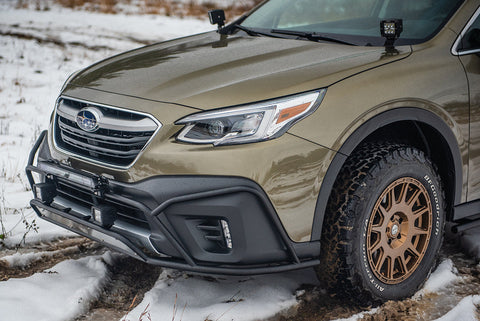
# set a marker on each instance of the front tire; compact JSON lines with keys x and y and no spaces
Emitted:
{"x":384,"y":225}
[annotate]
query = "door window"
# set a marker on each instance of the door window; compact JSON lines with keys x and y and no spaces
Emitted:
{"x":471,"y":39}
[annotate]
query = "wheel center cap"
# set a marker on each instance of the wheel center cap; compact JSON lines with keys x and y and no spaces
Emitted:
{"x":395,"y":229}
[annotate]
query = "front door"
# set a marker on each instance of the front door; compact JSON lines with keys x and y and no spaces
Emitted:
{"x":468,"y":49}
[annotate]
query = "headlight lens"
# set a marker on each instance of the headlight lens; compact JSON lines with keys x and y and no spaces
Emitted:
{"x":250,"y":123}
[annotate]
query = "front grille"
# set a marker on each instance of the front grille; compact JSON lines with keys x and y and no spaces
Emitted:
{"x":120,"y":137}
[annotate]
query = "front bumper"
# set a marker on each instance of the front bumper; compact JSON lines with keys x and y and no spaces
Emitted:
{"x":208,"y":224}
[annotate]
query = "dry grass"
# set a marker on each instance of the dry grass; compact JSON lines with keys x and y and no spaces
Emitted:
{"x":174,"y":8}
{"x":104,"y":6}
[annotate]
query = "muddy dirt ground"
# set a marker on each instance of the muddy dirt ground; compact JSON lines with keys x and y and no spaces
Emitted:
{"x":130,"y":279}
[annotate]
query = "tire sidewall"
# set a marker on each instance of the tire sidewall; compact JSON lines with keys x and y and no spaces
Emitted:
{"x":369,"y":192}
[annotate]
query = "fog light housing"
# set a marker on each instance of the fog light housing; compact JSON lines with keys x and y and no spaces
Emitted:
{"x":45,"y":192}
{"x":105,"y":215}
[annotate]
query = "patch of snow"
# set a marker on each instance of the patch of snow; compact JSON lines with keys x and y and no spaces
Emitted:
{"x":91,"y":29}
{"x":59,"y":293}
{"x":20,"y":260}
{"x":222,"y":298}
{"x":444,"y":275}
{"x":465,"y":310}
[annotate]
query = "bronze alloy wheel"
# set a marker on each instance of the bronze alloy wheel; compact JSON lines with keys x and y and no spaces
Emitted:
{"x":399,"y":230}
{"x":382,"y":239}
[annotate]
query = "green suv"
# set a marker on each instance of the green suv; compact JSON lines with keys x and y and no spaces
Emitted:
{"x":340,"y":134}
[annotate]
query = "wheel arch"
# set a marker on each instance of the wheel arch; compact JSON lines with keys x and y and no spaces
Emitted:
{"x":424,"y":129}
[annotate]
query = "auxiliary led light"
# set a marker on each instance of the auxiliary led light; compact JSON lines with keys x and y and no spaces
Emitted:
{"x":391,"y":30}
{"x":45,"y":192}
{"x":104,"y":214}
{"x":226,"y":234}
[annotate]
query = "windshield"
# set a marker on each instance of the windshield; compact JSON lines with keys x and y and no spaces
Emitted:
{"x":356,"y":21}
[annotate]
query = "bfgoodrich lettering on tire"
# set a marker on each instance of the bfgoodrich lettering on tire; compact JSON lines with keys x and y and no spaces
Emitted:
{"x":385,"y":224}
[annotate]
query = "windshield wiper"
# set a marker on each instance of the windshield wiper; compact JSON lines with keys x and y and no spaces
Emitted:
{"x":251,"y":32}
{"x":310,"y":36}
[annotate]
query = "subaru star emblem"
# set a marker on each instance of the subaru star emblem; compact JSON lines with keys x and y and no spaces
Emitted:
{"x":88,"y":119}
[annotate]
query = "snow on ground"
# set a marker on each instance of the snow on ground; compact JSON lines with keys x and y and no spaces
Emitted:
{"x":229,"y":298}
{"x":21,"y":228}
{"x":38,"y":50}
{"x":59,"y":293}
{"x":445,"y":274}
{"x":118,"y":32}
{"x":464,"y":311}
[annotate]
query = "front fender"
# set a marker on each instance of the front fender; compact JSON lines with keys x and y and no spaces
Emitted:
{"x":386,"y":118}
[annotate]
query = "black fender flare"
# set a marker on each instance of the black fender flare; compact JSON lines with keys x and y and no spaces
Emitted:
{"x":420,"y":116}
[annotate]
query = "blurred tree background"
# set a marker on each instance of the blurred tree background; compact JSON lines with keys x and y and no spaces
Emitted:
{"x":176,"y":8}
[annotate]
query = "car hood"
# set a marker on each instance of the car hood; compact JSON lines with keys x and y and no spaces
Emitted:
{"x":210,"y":70}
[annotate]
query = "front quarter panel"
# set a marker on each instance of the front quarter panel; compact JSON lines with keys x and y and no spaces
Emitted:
{"x":431,"y":79}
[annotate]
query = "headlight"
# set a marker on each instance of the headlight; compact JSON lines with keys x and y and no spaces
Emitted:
{"x":249,"y":123}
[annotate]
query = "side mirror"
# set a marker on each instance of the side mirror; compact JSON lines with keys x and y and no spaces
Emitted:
{"x":217,"y":17}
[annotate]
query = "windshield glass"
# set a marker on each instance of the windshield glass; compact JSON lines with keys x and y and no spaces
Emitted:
{"x":357,"y":21}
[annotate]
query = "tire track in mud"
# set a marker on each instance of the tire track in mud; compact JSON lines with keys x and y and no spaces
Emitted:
{"x":46,"y":255}
{"x":130,"y":279}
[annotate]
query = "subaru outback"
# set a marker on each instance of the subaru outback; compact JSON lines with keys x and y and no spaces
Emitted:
{"x":341,"y":135}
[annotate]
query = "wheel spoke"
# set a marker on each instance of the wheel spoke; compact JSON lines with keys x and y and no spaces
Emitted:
{"x":383,"y":213}
{"x":381,"y":261}
{"x":375,"y":247}
{"x":402,"y":264}
{"x":377,"y":229}
{"x":420,"y":211}
{"x":418,"y":231}
{"x":403,"y":193}
{"x":411,"y":202}
{"x":392,"y":197}
{"x":413,"y":251}
{"x":390,"y":267}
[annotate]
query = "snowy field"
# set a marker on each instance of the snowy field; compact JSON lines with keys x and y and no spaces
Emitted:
{"x":38,"y":50}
